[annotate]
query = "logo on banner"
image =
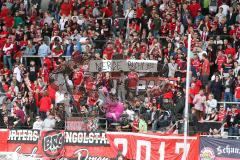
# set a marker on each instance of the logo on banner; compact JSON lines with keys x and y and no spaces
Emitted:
{"x":53,"y":143}
{"x":207,"y":153}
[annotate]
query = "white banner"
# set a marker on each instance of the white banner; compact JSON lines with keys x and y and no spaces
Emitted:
{"x":123,"y":65}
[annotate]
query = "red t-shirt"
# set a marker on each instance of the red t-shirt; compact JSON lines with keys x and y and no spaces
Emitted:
{"x":206,"y":67}
{"x":193,"y":9}
{"x":198,"y":85}
{"x":52,"y":89}
{"x":230,"y":51}
{"x":221,"y":116}
{"x":238,"y":32}
{"x":5,"y":87}
{"x":132,"y":80}
{"x":192,"y":91}
{"x":45,"y":104}
{"x":9,"y":21}
{"x":139,"y":12}
{"x":108,"y":52}
{"x":237,"y":92}
{"x":107,"y":11}
{"x":5,"y":11}
{"x":66,"y":9}
{"x":168,"y":95}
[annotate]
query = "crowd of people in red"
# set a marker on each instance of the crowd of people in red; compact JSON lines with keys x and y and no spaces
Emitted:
{"x":42,"y":40}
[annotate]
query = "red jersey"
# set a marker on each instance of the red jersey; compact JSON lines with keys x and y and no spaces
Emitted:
{"x":206,"y":67}
{"x":135,"y":123}
{"x":197,"y":64}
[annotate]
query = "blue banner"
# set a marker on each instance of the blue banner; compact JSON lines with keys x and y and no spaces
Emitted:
{"x":219,"y":149}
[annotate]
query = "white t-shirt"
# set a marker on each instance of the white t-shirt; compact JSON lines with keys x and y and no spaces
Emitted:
{"x":48,"y":124}
{"x":62,"y":23}
{"x":225,"y":9}
{"x":17,"y":71}
{"x":59,"y":97}
{"x":38,"y":125}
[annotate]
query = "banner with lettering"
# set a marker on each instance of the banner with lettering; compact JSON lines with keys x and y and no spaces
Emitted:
{"x":139,"y":146}
{"x":76,"y":145}
{"x":123,"y":65}
{"x":73,"y":145}
{"x":219,"y":149}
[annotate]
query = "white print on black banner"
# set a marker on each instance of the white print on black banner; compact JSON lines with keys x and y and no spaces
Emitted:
{"x":25,"y":136}
{"x":83,"y":154}
{"x":86,"y":138}
{"x":227,"y":150}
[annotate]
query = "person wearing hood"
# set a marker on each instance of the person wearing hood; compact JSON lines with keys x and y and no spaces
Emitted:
{"x":19,"y":119}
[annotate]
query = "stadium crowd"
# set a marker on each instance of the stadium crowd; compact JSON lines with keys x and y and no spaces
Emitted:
{"x":42,"y":40}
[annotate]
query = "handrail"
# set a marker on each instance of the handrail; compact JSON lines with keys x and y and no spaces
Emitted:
{"x":220,"y":136}
{"x":39,"y":56}
{"x":224,"y":103}
{"x":228,"y":102}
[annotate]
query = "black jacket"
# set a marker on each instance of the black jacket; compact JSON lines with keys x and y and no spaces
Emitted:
{"x":230,"y":85}
{"x":59,"y":125}
{"x":236,"y":119}
{"x":162,"y":69}
{"x":231,"y":20}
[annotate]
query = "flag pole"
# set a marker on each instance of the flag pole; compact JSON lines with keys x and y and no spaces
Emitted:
{"x":186,"y":114}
